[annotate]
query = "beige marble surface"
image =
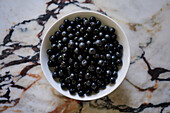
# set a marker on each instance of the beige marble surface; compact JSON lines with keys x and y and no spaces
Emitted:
{"x":23,"y":25}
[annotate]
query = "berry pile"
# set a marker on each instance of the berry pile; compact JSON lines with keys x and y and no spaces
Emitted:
{"x":84,"y":56}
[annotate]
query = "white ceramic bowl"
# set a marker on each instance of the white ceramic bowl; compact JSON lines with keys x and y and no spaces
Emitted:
{"x":105,"y":21}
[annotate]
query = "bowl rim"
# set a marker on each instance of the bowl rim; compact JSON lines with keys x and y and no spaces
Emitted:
{"x":125,"y":38}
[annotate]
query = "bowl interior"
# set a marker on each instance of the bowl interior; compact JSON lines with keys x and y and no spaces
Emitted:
{"x":105,"y":21}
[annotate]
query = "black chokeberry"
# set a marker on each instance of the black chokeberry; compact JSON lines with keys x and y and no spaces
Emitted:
{"x":76,"y":50}
{"x":98,"y":43}
{"x":108,"y":56}
{"x":78,"y":27}
{"x":92,"y":51}
{"x":84,"y":62}
{"x":55,"y":75}
{"x":93,"y":24}
{"x":52,"y":38}
{"x":72,"y":91}
{"x":69,"y":28}
{"x":113,"y":37}
{"x":57,"y":34}
{"x":62,"y":27}
{"x":106,"y":28}
{"x":82,"y":30}
{"x":119,"y":62}
{"x":70,"y":35}
{"x":95,"y":31}
{"x":86,"y":22}
{"x":77,"y":19}
{"x":64,"y":33}
{"x":98,"y":23}
{"x":72,"y":23}
{"x":89,"y":29}
{"x":49,"y":51}
{"x":118,"y":54}
{"x":66,"y":22}
{"x":53,"y":58}
{"x":80,"y":93}
{"x":64,"y":39}
{"x":63,"y":86}
{"x":77,"y":33}
{"x":112,"y":80}
{"x":71,"y":44}
{"x":101,"y":34}
{"x":92,"y":19}
{"x":112,"y":30}
{"x":81,"y":45}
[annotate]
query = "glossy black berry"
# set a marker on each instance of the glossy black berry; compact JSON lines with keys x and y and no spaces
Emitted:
{"x":77,"y":19}
{"x":64,"y":39}
{"x":62,"y":27}
{"x":52,"y":38}
{"x":72,"y":23}
{"x":120,"y":47}
{"x":60,"y":73}
{"x":108,"y":56}
{"x":113,"y":37}
{"x":81,"y":45}
{"x":101,"y":34}
{"x":101,"y":63}
{"x":76,"y":50}
{"x":77,"y":33}
{"x":92,"y":51}
{"x":98,"y":23}
{"x":50,"y":63}
{"x":119,"y":62}
{"x":98,"y":70}
{"x":57,"y":34}
{"x":78,"y":27}
{"x":84,"y":18}
{"x":106,"y":28}
{"x":92,"y":19}
{"x":98,"y":42}
{"x":86,"y":23}
{"x":59,"y":46}
{"x":80,"y":57}
{"x":49,"y":51}
{"x":64,"y":56}
{"x":72,"y":91}
{"x":93,"y":86}
{"x":71,"y":44}
{"x":82,"y":30}
{"x":112,"y":80}
{"x":80,"y":93}
{"x":53,"y":58}
{"x":66,"y":22}
{"x":112,"y":30}
{"x":95,"y":31}
{"x":64,"y":33}
{"x":55,"y":75}
{"x":89,"y":29}
{"x":86,"y":35}
{"x":69,"y":28}
{"x":84,"y":62}
{"x":88,"y":43}
{"x":63,"y":86}
{"x":70,"y":35}
{"x":88,"y":92}
{"x":93,"y":24}
{"x":118,"y":54}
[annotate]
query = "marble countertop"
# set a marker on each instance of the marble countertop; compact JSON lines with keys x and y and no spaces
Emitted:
{"x":23,"y":87}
